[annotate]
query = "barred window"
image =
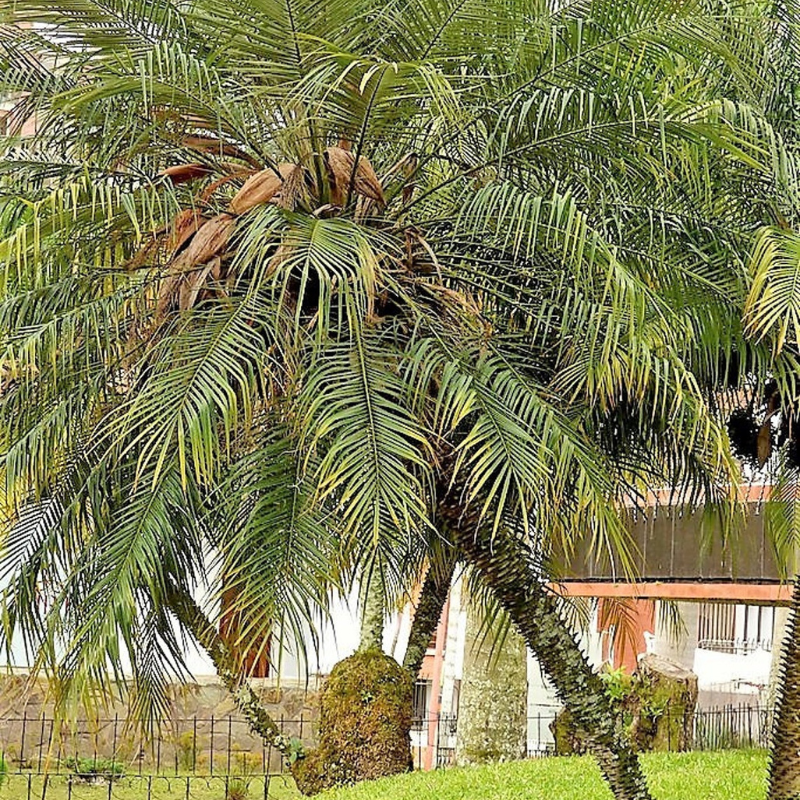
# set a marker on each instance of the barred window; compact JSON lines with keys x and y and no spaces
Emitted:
{"x":732,"y":627}
{"x":716,"y":622}
{"x":421,"y":697}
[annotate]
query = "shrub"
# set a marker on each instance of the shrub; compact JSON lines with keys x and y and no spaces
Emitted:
{"x":186,"y":751}
{"x":364,"y":724}
{"x":238,"y":789}
{"x":89,"y":769}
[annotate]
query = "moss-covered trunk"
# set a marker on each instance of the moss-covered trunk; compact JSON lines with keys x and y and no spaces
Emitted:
{"x":506,"y":564}
{"x":784,"y":757}
{"x":364,"y":724}
{"x":492,"y":706}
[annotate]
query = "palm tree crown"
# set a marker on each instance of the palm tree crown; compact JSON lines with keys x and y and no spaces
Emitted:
{"x":281,"y":278}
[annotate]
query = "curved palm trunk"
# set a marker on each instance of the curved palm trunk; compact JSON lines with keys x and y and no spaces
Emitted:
{"x":432,"y":598}
{"x":505,"y":565}
{"x":191,"y":616}
{"x":784,"y":757}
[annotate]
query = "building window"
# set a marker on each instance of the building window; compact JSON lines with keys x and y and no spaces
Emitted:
{"x":757,"y":623}
{"x":735,"y":628}
{"x":421,"y":702}
{"x":716,"y":623}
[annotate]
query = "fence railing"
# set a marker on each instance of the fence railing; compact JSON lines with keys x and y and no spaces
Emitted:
{"x":732,"y":727}
{"x":743,"y":726}
{"x":208,"y":757}
{"x":214,"y":758}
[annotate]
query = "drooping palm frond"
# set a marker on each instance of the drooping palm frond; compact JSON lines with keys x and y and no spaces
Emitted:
{"x":277,"y":278}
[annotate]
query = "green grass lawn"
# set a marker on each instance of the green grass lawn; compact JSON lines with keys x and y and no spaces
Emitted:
{"x":728,"y":775}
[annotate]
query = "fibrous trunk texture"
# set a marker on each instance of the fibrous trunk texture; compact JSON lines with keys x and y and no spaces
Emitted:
{"x":432,"y":599}
{"x":372,"y":614}
{"x":492,"y":718}
{"x":191,"y":616}
{"x":784,"y":757}
{"x":507,"y":566}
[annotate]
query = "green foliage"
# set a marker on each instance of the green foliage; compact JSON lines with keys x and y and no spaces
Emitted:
{"x":63,"y":787}
{"x":186,"y":751}
{"x":91,"y":768}
{"x":237,"y":789}
{"x":291,"y":747}
{"x":503,"y":265}
{"x":3,"y":769}
{"x":618,"y":684}
{"x":655,"y":711}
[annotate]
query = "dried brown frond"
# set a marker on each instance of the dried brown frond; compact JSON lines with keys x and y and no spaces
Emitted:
{"x":191,"y":284}
{"x":367,"y":183}
{"x":293,"y":189}
{"x":261,"y":187}
{"x":209,"y":240}
{"x":340,"y":167}
{"x":341,"y":164}
{"x":182,"y":173}
{"x":184,"y":226}
{"x":145,"y":255}
{"x":212,"y":187}
{"x":210,"y":144}
{"x":409,"y":167}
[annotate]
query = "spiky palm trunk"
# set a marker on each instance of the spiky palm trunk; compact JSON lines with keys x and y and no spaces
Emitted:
{"x":432,"y":598}
{"x":784,"y":757}
{"x":506,"y":566}
{"x":191,"y":616}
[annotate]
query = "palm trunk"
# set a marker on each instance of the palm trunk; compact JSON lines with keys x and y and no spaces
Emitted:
{"x":432,"y":598}
{"x":506,"y":566}
{"x":492,"y":706}
{"x":191,"y":616}
{"x":372,"y":615}
{"x":784,"y":757}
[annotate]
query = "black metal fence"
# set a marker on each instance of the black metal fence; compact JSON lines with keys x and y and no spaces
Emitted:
{"x":732,"y":727}
{"x":742,"y":726}
{"x":204,"y":758}
{"x":218,"y":758}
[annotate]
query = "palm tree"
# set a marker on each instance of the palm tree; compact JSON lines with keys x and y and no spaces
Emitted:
{"x":291,"y":291}
{"x":766,"y":434}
